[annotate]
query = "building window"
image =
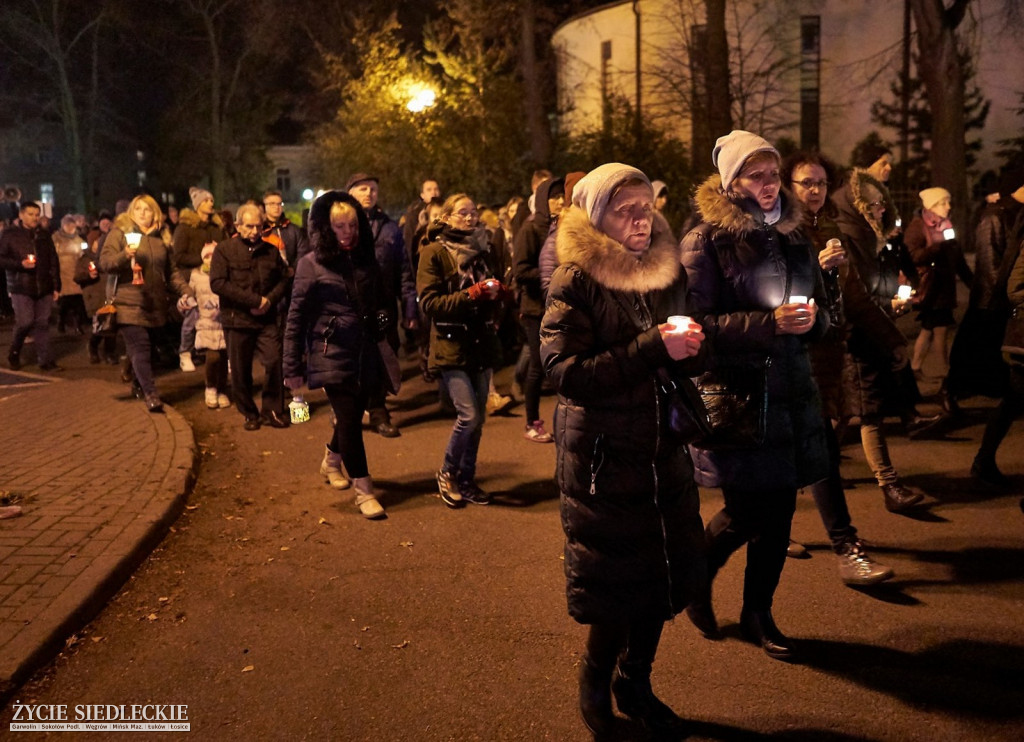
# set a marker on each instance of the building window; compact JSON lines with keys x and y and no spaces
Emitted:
{"x":284,"y":180}
{"x":810,"y":81}
{"x":46,"y":193}
{"x":606,"y":103}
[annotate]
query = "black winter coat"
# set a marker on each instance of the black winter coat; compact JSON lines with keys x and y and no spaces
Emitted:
{"x":870,"y":384}
{"x":327,"y":339}
{"x":526,"y":254}
{"x":241,"y":275}
{"x":634,"y":545}
{"x":17,"y":243}
{"x":463,"y":331}
{"x":190,"y":236}
{"x":739,"y":270}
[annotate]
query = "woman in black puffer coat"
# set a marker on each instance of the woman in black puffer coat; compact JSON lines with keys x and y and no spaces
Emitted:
{"x":331,"y":335}
{"x":744,"y":262}
{"x":630,"y":509}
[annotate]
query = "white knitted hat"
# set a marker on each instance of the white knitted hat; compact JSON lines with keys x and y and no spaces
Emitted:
{"x":594,"y":190}
{"x":732,"y":150}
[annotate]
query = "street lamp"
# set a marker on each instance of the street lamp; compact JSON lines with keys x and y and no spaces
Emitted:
{"x":421,"y":97}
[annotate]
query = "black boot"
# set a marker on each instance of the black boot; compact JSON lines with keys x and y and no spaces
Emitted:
{"x":596,"y":698}
{"x":899,"y":499}
{"x":635,"y":698}
{"x":759,"y":627}
{"x":949,"y":403}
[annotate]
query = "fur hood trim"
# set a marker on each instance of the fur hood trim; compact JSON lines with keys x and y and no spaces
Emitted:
{"x":124,"y":223}
{"x":860,"y":178}
{"x":190,"y":218}
{"x":718,"y":209}
{"x":612,"y":265}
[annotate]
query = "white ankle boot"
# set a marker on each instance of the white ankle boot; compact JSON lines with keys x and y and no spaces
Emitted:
{"x":366,"y":499}
{"x":330,"y":470}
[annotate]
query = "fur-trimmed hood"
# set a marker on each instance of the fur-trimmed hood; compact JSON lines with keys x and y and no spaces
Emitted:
{"x":124,"y":223}
{"x":190,"y":218}
{"x":851,"y":202}
{"x":717,"y":208}
{"x":612,"y":265}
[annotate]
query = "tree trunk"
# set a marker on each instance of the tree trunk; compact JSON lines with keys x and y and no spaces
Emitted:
{"x":533,"y":101}
{"x":943,"y":80}
{"x":719,"y":100}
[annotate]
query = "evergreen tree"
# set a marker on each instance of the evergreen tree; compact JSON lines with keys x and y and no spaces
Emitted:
{"x":915,"y":173}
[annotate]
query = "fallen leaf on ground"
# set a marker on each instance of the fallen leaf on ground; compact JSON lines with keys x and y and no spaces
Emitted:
{"x":152,"y":617}
{"x":323,"y":522}
{"x":405,"y":543}
{"x":248,"y":668}
{"x":403,"y":645}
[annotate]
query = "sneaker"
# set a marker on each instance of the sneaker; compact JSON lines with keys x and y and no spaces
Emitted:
{"x":211,"y":397}
{"x":857,"y":568}
{"x":535,"y":432}
{"x":223,"y":400}
{"x":472,"y":493}
{"x":497,"y":403}
{"x":449,"y":491}
{"x":185,"y":362}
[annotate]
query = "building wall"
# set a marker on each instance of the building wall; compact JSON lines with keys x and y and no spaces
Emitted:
{"x":860,"y":41}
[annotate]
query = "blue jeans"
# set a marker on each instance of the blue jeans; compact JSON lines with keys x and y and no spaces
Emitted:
{"x":468,"y":391}
{"x":188,"y":329}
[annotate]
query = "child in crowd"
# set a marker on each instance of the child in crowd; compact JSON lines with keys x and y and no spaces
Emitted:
{"x":210,"y":333}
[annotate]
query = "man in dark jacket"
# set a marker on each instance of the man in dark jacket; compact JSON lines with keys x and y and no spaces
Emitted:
{"x":429,"y":190}
{"x":279,"y":230}
{"x":196,"y":229}
{"x":251,"y":278}
{"x":30,"y":260}
{"x":399,"y":284}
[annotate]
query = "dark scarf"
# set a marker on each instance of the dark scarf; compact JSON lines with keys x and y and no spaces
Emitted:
{"x":467,"y":249}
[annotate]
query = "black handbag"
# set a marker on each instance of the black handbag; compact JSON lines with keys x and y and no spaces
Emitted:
{"x":686,"y":417}
{"x":104,"y":322}
{"x":736,"y":399}
{"x":1013,"y":338}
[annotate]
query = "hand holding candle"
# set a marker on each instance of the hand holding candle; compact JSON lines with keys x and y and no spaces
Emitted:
{"x":682,"y":336}
{"x":796,"y":316}
{"x":29,"y":261}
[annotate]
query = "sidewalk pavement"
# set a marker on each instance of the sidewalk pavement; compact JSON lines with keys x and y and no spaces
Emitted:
{"x":99,"y":484}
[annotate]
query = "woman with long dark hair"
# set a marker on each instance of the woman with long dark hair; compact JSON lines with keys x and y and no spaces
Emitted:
{"x":331,"y":334}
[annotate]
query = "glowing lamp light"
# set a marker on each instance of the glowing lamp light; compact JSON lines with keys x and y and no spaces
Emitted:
{"x":421,"y":98}
{"x":307,"y":194}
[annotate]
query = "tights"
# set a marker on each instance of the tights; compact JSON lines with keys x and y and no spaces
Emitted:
{"x":633,"y":645}
{"x":348,"y":429}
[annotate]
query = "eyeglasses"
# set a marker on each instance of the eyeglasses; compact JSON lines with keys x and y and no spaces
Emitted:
{"x":466,"y":214}
{"x":811,"y":185}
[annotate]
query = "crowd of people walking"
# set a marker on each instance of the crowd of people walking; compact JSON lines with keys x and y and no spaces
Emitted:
{"x":735,"y":357}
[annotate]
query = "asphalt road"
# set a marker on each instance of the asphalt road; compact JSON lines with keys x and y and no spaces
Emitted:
{"x":275,"y":612}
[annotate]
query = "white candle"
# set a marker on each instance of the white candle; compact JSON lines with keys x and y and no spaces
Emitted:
{"x":903,"y":293}
{"x":133,"y":239}
{"x":797,"y":299}
{"x":949,"y":234}
{"x":679,"y":322}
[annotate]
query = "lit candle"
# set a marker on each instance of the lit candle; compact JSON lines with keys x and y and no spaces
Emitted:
{"x":903,"y":293}
{"x":797,"y":299}
{"x":949,"y":234}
